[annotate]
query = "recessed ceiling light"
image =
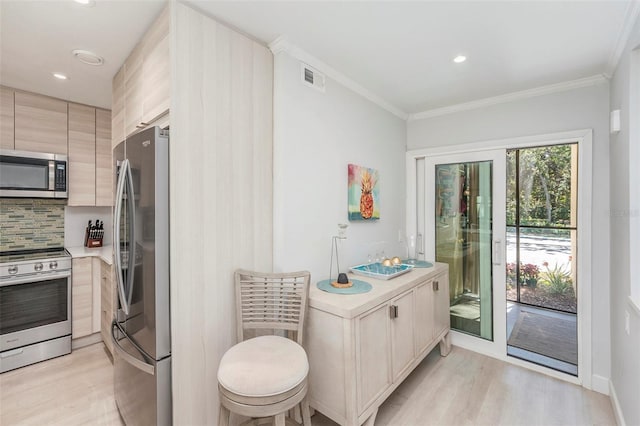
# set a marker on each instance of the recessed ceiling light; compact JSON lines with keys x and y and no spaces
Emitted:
{"x":459,"y":59}
{"x":87,"y":57}
{"x":59,"y":76}
{"x":86,"y":2}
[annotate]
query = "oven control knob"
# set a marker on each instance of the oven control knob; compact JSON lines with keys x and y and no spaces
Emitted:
{"x":13,"y":269}
{"x":38,"y":267}
{"x":53,"y":265}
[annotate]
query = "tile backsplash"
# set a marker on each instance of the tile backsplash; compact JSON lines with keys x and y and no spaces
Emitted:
{"x":27,"y":223}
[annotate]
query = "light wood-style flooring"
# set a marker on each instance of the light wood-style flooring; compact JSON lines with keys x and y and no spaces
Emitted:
{"x":75,"y":389}
{"x":464,"y":388}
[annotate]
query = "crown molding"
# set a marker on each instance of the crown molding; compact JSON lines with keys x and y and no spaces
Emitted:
{"x":282,"y":45}
{"x":510,"y":97}
{"x":631,"y":16}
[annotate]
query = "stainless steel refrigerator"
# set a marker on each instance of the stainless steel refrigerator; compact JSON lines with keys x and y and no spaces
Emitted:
{"x":141,"y":329}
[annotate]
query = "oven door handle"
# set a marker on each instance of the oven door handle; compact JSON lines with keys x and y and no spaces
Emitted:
{"x":116,"y":236}
{"x":33,"y":278}
{"x":140,"y":365}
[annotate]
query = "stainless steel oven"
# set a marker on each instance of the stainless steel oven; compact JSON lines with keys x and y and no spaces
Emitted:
{"x":35,"y":307}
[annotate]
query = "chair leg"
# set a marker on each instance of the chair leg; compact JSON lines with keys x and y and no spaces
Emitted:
{"x":306,"y":414}
{"x":294,"y":413}
{"x":223,"y":418}
{"x":279,"y":419}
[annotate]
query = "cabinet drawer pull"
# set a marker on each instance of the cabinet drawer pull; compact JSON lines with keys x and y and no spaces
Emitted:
{"x":393,"y":311}
{"x":436,"y":286}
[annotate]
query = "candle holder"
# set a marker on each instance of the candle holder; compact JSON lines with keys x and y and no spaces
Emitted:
{"x":342,"y":281}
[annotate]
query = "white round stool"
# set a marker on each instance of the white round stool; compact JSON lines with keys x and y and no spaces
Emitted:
{"x":264,"y":376}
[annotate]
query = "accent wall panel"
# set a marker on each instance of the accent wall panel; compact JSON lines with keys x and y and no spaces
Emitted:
{"x":221,"y":203}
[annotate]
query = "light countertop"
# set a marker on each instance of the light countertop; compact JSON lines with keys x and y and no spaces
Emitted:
{"x":105,"y":252}
{"x":351,"y":305}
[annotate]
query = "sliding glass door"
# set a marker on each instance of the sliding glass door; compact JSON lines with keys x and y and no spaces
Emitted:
{"x":465,"y":217}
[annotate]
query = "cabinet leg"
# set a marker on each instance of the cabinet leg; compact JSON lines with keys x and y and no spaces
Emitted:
{"x":371,"y":419}
{"x":445,"y":345}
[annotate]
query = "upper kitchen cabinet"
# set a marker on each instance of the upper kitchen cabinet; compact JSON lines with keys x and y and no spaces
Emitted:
{"x":117,"y":108}
{"x":82,"y":155}
{"x":155,"y":68}
{"x":133,"y":90}
{"x":141,"y":88}
{"x":104,"y":175}
{"x":6,"y":118}
{"x":40,"y":123}
{"x":90,"y":177}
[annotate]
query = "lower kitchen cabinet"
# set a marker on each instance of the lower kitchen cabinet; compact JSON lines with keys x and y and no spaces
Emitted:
{"x":92,"y":299}
{"x":361,"y":347}
{"x":81,"y":297}
{"x":108,"y":303}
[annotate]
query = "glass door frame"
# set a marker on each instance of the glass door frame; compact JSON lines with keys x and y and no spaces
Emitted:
{"x":498,"y":348}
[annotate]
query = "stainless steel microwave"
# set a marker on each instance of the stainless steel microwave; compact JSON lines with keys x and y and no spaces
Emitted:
{"x":33,"y":174}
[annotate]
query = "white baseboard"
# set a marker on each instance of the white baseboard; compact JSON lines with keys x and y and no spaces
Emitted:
{"x":600,"y":384}
{"x":617,"y":410}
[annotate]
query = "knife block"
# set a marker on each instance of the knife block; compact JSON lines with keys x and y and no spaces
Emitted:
{"x":93,"y":242}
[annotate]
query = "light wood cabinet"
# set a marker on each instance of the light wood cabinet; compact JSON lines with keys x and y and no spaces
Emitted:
{"x":117,"y":108}
{"x":133,"y":89}
{"x":424,"y":316}
{"x":93,"y":299}
{"x":402,"y":321}
{"x":82,"y":155}
{"x":81,"y":132}
{"x":141,"y":88}
{"x":442,"y":317}
{"x":108,"y":303}
{"x":90,"y":177}
{"x":361,"y":347}
{"x":40,"y":123}
{"x":81,"y":297}
{"x":156,"y":69}
{"x":104,"y":172}
{"x":6,"y":118}
{"x":373,"y":357}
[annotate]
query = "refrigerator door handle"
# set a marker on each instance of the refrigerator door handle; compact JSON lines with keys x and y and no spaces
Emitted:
{"x":132,"y":230}
{"x":116,"y":236}
{"x":122,"y":353}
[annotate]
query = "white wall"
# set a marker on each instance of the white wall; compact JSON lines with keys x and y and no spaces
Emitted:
{"x":569,"y":110}
{"x":625,"y":368}
{"x":76,"y":220}
{"x":315,"y":136}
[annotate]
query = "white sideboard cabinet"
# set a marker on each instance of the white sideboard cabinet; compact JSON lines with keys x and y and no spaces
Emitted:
{"x":361,"y":347}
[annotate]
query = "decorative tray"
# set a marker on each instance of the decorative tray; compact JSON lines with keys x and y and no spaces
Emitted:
{"x":379,"y":271}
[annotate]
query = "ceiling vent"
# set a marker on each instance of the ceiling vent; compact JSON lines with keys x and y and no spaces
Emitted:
{"x":311,"y":77}
{"x":87,"y":57}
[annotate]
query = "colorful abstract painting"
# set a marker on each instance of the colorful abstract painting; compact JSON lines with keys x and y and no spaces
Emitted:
{"x":364,"y":193}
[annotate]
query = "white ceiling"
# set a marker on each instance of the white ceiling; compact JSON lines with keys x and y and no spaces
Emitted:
{"x":37,"y":37}
{"x":400,"y":51}
{"x":403,"y":51}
